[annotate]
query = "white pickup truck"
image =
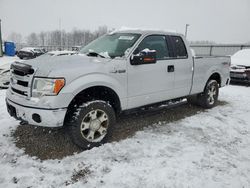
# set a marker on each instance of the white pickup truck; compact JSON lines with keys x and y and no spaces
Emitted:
{"x":120,"y":71}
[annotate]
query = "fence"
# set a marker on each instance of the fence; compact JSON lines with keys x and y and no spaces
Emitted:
{"x":217,"y":49}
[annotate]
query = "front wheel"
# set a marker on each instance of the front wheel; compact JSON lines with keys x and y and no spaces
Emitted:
{"x":91,"y":124}
{"x":209,"y":97}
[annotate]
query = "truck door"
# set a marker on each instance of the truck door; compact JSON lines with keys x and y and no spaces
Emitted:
{"x":183,"y":66}
{"x":150,"y":83}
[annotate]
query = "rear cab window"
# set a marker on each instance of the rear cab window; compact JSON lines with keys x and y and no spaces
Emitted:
{"x":179,"y":47}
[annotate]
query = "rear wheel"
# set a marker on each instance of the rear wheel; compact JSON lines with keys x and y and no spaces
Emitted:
{"x":209,"y":97}
{"x":91,"y":124}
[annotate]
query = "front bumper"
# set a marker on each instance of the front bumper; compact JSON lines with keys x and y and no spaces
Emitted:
{"x":240,"y":77}
{"x":36,"y":116}
{"x":239,"y":80}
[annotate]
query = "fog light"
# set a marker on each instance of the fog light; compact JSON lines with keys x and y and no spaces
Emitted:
{"x":36,"y":118}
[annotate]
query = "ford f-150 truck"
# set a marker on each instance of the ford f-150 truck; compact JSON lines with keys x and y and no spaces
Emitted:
{"x":119,"y":71}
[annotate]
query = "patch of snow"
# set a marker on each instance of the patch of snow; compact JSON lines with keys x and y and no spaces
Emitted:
{"x":241,"y":57}
{"x":126,"y":38}
{"x":105,"y":54}
{"x":125,"y":28}
{"x":5,"y":67}
{"x":146,"y":50}
{"x":62,"y":52}
{"x":192,"y":52}
{"x":7,"y":60}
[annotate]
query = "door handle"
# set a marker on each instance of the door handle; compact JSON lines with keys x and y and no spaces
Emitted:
{"x":171,"y":68}
{"x":118,"y":71}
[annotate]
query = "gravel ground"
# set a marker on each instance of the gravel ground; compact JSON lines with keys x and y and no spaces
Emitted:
{"x":49,"y":143}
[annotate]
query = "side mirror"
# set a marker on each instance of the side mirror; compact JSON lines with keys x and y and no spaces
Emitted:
{"x":146,"y":56}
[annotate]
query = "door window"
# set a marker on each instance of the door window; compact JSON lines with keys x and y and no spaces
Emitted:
{"x":157,"y":43}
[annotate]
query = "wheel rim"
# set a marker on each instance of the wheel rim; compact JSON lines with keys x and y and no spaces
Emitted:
{"x":212,"y":94}
{"x":94,"y":125}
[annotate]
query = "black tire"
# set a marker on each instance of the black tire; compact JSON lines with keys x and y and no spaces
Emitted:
{"x":82,"y":118}
{"x":209,"y":97}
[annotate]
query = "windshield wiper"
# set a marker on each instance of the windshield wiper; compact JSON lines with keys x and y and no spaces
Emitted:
{"x":94,"y":54}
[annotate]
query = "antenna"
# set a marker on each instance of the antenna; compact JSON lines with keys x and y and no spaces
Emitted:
{"x":186,"y":30}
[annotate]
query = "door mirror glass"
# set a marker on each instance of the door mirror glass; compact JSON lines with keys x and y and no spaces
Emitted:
{"x":145,"y":56}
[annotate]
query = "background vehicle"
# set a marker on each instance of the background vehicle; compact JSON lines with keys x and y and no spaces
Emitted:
{"x":5,"y":69}
{"x":76,"y":48}
{"x":119,"y":71}
{"x":240,"y":68}
{"x":29,"y":53}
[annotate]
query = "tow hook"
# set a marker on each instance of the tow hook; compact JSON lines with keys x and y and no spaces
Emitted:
{"x":23,"y":122}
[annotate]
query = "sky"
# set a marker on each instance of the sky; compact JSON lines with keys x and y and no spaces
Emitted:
{"x":221,"y":21}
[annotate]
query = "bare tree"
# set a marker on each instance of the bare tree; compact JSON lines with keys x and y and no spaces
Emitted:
{"x":42,"y":38}
{"x":56,"y":38}
{"x":32,"y":39}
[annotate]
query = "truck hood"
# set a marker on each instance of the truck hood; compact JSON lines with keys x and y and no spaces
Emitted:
{"x":45,"y":66}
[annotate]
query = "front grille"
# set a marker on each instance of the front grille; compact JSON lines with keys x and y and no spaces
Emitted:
{"x":19,"y":73}
{"x":19,"y":92}
{"x":21,"y":77}
{"x":23,"y":83}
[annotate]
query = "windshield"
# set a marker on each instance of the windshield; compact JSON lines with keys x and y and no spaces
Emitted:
{"x":111,"y":45}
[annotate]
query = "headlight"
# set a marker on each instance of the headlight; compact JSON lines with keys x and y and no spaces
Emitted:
{"x":47,"y":86}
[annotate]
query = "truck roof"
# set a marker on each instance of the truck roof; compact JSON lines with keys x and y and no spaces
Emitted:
{"x":147,"y":32}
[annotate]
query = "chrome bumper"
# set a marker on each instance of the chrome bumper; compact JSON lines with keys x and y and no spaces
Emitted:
{"x":37,"y":116}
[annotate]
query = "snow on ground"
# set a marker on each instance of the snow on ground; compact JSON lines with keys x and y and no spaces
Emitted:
{"x":210,"y":149}
{"x":8,"y":59}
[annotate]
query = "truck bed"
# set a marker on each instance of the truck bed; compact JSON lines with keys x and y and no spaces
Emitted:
{"x":204,"y":65}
